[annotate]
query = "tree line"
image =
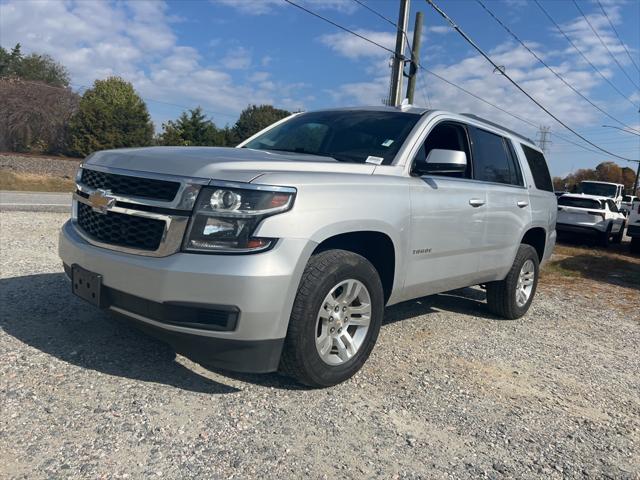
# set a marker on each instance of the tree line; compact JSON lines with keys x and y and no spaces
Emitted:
{"x":40,"y":113}
{"x":604,"y":172}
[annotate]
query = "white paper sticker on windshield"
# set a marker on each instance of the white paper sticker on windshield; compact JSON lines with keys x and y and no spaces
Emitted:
{"x":374,"y":160}
{"x":387,"y":143}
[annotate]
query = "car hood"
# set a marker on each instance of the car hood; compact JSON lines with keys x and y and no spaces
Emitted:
{"x":220,"y":163}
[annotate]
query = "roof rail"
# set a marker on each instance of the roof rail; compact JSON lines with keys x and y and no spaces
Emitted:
{"x":494,"y":124}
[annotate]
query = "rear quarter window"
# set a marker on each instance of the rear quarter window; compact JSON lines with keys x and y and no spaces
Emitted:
{"x":539,"y":169}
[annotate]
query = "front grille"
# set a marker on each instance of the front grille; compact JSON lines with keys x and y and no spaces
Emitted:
{"x":131,"y":186}
{"x":120,"y":229}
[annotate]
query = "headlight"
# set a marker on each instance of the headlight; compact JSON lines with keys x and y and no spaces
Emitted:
{"x":225,"y":217}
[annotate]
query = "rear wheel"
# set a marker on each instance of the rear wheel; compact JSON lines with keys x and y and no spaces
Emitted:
{"x":605,"y":236}
{"x":335,"y":319}
{"x":510,"y":298}
{"x":617,"y":238}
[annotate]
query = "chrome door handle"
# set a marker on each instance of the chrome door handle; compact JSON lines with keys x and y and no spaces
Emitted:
{"x":522,"y":204}
{"x":476,"y":202}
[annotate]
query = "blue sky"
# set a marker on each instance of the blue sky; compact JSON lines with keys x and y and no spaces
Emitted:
{"x":225,"y":54}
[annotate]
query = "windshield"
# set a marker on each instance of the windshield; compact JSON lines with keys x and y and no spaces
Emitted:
{"x":580,"y":203}
{"x":598,"y":189}
{"x":346,"y":136}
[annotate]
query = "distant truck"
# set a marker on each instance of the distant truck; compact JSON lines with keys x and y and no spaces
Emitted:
{"x":613,"y":191}
{"x":634,"y":226}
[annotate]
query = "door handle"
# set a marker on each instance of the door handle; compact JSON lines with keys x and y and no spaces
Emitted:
{"x":522,"y":204}
{"x":476,"y":202}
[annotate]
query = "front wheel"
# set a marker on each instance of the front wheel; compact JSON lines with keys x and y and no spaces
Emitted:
{"x":335,"y":319}
{"x":635,"y":245}
{"x":510,"y":298}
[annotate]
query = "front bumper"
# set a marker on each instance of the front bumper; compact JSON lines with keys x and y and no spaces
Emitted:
{"x":260,"y":288}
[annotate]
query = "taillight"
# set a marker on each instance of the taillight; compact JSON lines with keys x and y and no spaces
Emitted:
{"x":597,"y":214}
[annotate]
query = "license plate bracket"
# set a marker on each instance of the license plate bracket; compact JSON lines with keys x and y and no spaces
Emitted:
{"x":87,"y":285}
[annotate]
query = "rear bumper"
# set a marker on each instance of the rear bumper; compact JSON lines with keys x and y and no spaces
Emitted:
{"x":633,"y":230}
{"x":246,"y":299}
{"x":583,"y":229}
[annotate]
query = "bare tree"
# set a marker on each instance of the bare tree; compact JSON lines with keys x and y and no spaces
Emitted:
{"x":34,"y":115}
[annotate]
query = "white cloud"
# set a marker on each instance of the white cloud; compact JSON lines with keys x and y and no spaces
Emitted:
{"x":237,"y":58}
{"x":263,"y":7}
{"x":136,"y":41}
{"x":440,"y":29}
{"x":353,"y":47}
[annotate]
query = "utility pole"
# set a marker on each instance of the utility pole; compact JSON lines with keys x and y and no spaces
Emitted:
{"x":397,"y":72}
{"x":415,"y":56}
{"x":543,"y":139}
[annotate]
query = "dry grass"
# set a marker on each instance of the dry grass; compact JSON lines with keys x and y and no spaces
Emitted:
{"x":590,"y":271}
{"x":35,"y":183}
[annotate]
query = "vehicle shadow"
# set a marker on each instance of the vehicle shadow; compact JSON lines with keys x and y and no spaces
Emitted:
{"x":469,"y":301}
{"x":615,"y":271}
{"x":40,"y":311}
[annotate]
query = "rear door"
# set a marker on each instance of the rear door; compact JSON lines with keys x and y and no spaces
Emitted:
{"x":508,"y":211}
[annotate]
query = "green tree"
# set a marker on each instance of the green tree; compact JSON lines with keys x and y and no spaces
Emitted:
{"x":191,"y":128}
{"x":33,"y":67}
{"x":253,"y":119}
{"x":110,"y":115}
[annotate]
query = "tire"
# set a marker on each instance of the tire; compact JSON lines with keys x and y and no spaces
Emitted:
{"x":634,"y":247}
{"x":617,"y":238}
{"x":501,"y":295}
{"x":605,"y":236}
{"x":301,"y":358}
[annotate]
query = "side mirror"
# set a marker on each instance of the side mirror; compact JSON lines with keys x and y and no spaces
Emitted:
{"x":442,"y":162}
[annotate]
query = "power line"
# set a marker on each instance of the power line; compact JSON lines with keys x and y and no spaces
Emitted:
{"x":377,"y":13}
{"x":604,"y":44}
{"x":584,"y":57}
{"x":599,"y":151}
{"x":558,"y":76}
{"x":516,"y":84}
{"x":311,"y":12}
{"x":617,"y":35}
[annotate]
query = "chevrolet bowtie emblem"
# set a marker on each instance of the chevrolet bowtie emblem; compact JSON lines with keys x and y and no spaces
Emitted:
{"x":101,"y":201}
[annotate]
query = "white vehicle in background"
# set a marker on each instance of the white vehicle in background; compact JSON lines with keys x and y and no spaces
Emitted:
{"x":591,"y":215}
{"x":610,"y":190}
{"x":634,"y":226}
{"x":627,"y":203}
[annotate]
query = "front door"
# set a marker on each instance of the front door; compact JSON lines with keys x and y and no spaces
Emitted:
{"x":447,"y":220}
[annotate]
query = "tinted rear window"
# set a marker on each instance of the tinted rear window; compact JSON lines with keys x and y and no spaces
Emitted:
{"x":492,"y":161}
{"x":580,"y":203}
{"x":539,"y":169}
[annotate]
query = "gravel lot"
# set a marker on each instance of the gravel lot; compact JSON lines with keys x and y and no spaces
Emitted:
{"x":56,"y":166}
{"x":449,"y":392}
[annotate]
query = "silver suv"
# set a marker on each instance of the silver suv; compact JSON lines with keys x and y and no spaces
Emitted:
{"x":282,"y":253}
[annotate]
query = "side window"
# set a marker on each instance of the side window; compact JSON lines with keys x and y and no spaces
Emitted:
{"x":447,"y":136}
{"x":612,"y":206}
{"x":539,"y":170}
{"x":492,"y":161}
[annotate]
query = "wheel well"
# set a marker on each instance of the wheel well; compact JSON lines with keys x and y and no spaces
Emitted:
{"x":536,"y":237}
{"x":374,"y":246}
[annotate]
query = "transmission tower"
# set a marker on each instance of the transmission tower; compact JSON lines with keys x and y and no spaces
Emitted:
{"x":543,"y":139}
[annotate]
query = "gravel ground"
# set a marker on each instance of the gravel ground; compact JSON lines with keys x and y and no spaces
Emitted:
{"x":449,"y":392}
{"x":39,"y":165}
